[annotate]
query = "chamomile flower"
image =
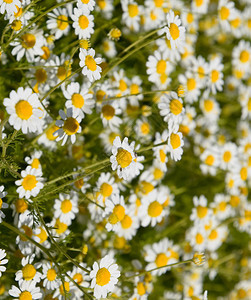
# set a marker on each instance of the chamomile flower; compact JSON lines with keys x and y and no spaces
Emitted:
{"x":69,"y":126}
{"x":225,"y":12}
{"x":215,"y":82}
{"x":66,"y":207}
{"x":2,"y":204}
{"x":65,"y":287}
{"x":33,"y":161}
{"x":30,"y":184}
{"x":47,"y":139}
{"x":25,"y":225}
{"x":106,"y":186}
{"x":107,"y":138}
{"x":160,"y":152}
{"x":49,"y":276}
{"x":83,"y":22}
{"x":174,"y":31}
{"x":201,"y":214}
{"x":197,"y":237}
{"x":10,"y":7}
{"x":26,"y":290}
{"x":89,"y":4}
{"x":200,"y":6}
{"x":210,"y":160}
{"x":175,"y":144}
{"x":228,"y":156}
{"x":29,"y":271}
{"x":3,"y":261}
{"x":192,"y":86}
{"x":58,"y":22}
{"x":210,"y":107}
{"x":25,"y":110}
{"x":131,"y":14}
{"x":128,"y":226}
{"x":104,"y":276}
{"x":171,"y":108}
{"x":242,"y":56}
{"x":221,"y":207}
{"x":123,"y":158}
{"x":90,"y":64}
{"x":143,"y":129}
{"x":109,"y":115}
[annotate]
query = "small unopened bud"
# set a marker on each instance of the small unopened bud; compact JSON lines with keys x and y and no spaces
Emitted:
{"x":114,"y":34}
{"x":198,"y":258}
{"x":85,"y":249}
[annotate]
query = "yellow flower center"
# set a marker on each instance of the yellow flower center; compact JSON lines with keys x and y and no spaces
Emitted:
{"x":66,"y":286}
{"x":50,"y":131}
{"x":161,"y":66}
{"x":19,"y":12}
{"x":41,"y":75}
{"x":224,"y":13}
{"x":16,"y":25}
{"x":115,"y":33}
{"x":191,"y":84}
{"x":199,"y":238}
{"x":122,"y":85}
{"x":113,"y":219}
{"x":79,"y":183}
{"x":244,"y":173}
{"x":209,"y":160}
{"x":78,"y":278}
{"x":71,"y":126}
{"x":145,"y":128}
{"x":161,"y":260}
{"x":106,"y":189}
{"x":62,"y":22}
{"x":29,"y":182}
{"x":42,"y":235}
{"x":234,"y":201}
{"x":28,"y":272}
{"x":63,"y":72}
{"x":201,"y":211}
{"x":103,"y":277}
{"x":198,"y":2}
{"x":101,"y":4}
{"x":90,"y":63}
{"x":51,"y":274}
{"x":249,"y":104}
{"x":175,"y":107}
{"x":244,"y":56}
{"x":24,"y":295}
{"x":190,"y":18}
{"x":27,"y":231}
{"x":155,"y":209}
{"x":208,"y":105}
{"x":215,"y":75}
{"x":141,"y":288}
{"x":157,"y":173}
{"x":201,"y":72}
{"x":77,"y":100}
{"x":23,"y":109}
{"x":46,"y":54}
{"x":134,"y":89}
{"x":175,"y":141}
{"x":222,"y":206}
{"x":227,"y":156}
{"x":35,"y":163}
{"x":28,"y":40}
{"x":108,"y":112}
{"x":241,"y":293}
{"x":119,"y":212}
{"x":100,"y":95}
{"x":158,"y":3}
{"x":66,"y":206}
{"x":112,"y":137}
{"x":60,"y":227}
{"x":126,"y":222}
{"x":83,"y":22}
{"x":119,"y":242}
{"x":124,"y":158}
{"x":235,"y":22}
{"x":133,"y":10}
{"x":162,"y":155}
{"x":174,"y":31}
{"x":213,"y":235}
{"x":146,"y":187}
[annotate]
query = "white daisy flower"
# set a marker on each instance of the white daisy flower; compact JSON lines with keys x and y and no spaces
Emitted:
{"x":49,"y":276}
{"x":221,"y":207}
{"x":58,"y":22}
{"x":2,"y":204}
{"x":242,"y":56}
{"x":25,"y":110}
{"x":9,"y":6}
{"x":89,"y":64}
{"x":26,"y":290}
{"x":109,"y":112}
{"x":128,"y":226}
{"x":228,"y":156}
{"x":200,"y":6}
{"x":201,"y":214}
{"x":122,"y":158}
{"x":106,"y":186}
{"x":109,"y":48}
{"x":215,"y":82}
{"x":89,"y":4}
{"x":131,"y":14}
{"x":200,"y":68}
{"x":226,"y":13}
{"x":83,"y":22}
{"x":29,"y":271}
{"x":69,"y":126}
{"x":65,"y":286}
{"x":210,"y":107}
{"x":104,"y":276}
{"x":33,"y":161}
{"x":174,"y":31}
{"x":30,"y":184}
{"x":3,"y":261}
{"x":175,"y":144}
{"x":210,"y":160}
{"x":191,"y":85}
{"x":66,"y":207}
{"x":143,"y":130}
{"x":79,"y":99}
{"x":197,"y":237}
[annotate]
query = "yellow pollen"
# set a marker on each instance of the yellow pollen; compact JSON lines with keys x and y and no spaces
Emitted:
{"x":77,"y":100}
{"x":126,"y":222}
{"x":90,"y":63}
{"x":66,"y":286}
{"x":124,"y":158}
{"x":106,"y":189}
{"x":78,"y":278}
{"x":244,"y":56}
{"x":215,"y":75}
{"x":23,"y":109}
{"x":235,"y":22}
{"x":175,"y":107}
{"x":51,"y":274}
{"x":42,"y":235}
{"x":163,"y":78}
{"x":103,"y":277}
{"x":161,"y":66}
{"x":62,"y":22}
{"x":191,"y":84}
{"x":133,"y":10}
{"x":85,"y":1}
{"x":175,"y":140}
{"x":208,"y":105}
{"x":141,"y":288}
{"x":108,"y":112}
{"x":29,"y":182}
{"x":25,"y":295}
{"x":119,"y":212}
{"x":66,"y":206}
{"x":28,"y":272}
{"x":227,"y":156}
{"x":209,"y":160}
{"x":201,"y":211}
{"x":161,"y":260}
{"x":174,"y":31}
{"x":146,"y":187}
{"x":83,"y":22}
{"x":153,"y":16}
{"x":71,"y":126}
{"x":199,"y":238}
{"x":247,"y":215}
{"x":1,"y":203}
{"x":213,"y":235}
{"x":35,"y":163}
{"x":21,"y":206}
{"x":28,"y":40}
{"x":50,"y":131}
{"x":224,"y":13}
{"x":249,"y":104}
{"x":155,"y":209}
